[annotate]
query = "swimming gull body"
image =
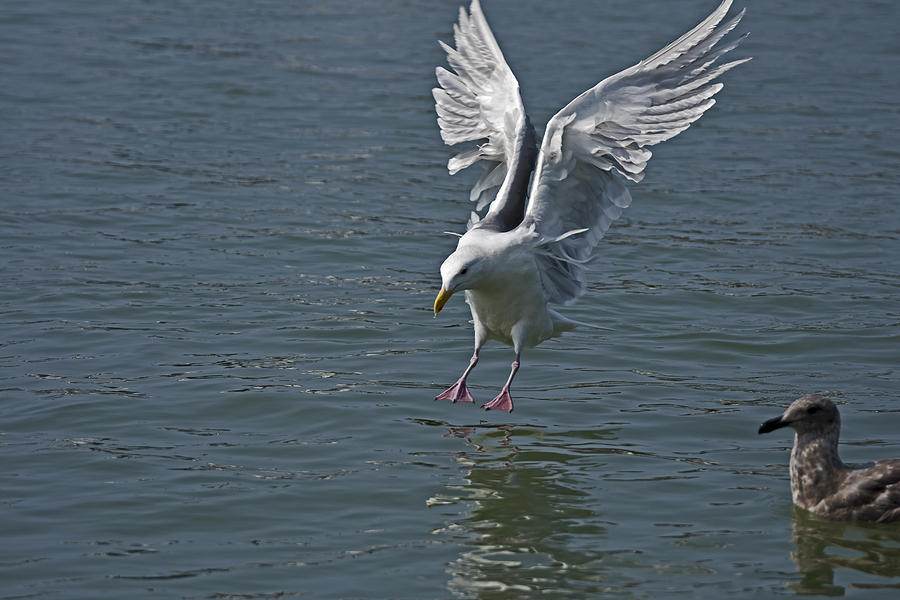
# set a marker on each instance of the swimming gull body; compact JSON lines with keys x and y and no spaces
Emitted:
{"x":820,"y":481}
{"x":549,"y":206}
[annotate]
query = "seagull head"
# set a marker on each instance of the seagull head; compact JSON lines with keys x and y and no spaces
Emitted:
{"x":809,"y":414}
{"x":462,"y":270}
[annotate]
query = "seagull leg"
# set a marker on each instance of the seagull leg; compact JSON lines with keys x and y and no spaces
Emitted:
{"x":458,"y":392}
{"x":503,"y":401}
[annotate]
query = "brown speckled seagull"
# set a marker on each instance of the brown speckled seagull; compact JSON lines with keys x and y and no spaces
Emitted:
{"x":820,"y":481}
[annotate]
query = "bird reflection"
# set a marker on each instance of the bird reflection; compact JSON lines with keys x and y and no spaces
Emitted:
{"x":530,"y":524}
{"x":823,"y":546}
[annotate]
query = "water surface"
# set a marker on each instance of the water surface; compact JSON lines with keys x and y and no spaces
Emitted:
{"x":221,"y":225}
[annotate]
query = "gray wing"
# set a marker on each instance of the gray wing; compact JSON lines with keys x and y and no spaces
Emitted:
{"x":600,"y":139}
{"x":480,"y":102}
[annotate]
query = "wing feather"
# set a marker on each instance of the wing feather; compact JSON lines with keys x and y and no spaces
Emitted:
{"x":602,"y":137}
{"x":479,"y":102}
{"x":872,"y":493}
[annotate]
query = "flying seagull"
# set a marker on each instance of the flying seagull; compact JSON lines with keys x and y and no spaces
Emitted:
{"x":548,"y":207}
{"x":820,"y":482}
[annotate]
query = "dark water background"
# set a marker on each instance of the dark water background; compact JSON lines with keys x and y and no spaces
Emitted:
{"x":220,"y":229}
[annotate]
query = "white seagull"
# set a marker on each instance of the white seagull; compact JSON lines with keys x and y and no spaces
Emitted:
{"x":548,"y":208}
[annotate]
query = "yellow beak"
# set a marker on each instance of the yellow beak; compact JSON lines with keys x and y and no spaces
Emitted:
{"x":441,"y":300}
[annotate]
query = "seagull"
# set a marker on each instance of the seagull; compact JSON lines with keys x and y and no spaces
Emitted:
{"x":548,"y":207}
{"x":820,"y":482}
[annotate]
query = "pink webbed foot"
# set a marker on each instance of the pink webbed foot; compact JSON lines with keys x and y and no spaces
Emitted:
{"x":458,"y":392}
{"x":503,"y":401}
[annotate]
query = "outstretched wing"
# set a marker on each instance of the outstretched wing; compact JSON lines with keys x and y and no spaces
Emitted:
{"x":480,"y":102}
{"x":602,"y":137}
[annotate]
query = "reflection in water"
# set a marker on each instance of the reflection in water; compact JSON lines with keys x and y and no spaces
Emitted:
{"x":823,"y":546}
{"x":532,"y":525}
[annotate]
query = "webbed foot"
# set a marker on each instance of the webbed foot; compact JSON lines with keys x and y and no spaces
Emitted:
{"x":458,"y":392}
{"x":503,"y":401}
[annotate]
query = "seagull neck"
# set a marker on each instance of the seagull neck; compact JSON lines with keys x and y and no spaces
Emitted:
{"x":816,"y":467}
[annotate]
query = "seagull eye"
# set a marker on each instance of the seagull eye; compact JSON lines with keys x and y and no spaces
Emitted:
{"x":464,"y":270}
{"x":812,"y":410}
